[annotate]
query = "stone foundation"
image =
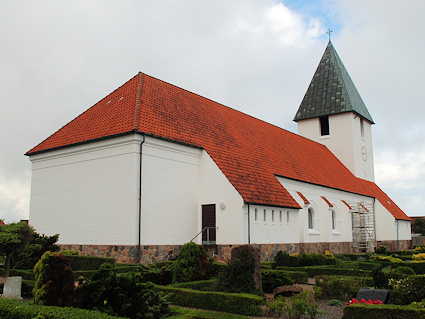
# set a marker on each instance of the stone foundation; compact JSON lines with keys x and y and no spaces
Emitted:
{"x":157,"y":253}
{"x":395,"y":245}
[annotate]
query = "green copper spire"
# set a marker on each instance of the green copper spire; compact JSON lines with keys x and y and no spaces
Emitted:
{"x":331,"y":91}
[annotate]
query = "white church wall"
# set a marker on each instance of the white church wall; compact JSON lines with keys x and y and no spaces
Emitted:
{"x":387,"y":227}
{"x":215,"y":188}
{"x":170,"y":189}
{"x":87,"y":193}
{"x":322,"y":230}
{"x":273,"y":225}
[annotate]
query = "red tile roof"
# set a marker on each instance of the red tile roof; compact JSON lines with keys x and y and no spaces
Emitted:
{"x":250,"y":152}
{"x":303,"y":198}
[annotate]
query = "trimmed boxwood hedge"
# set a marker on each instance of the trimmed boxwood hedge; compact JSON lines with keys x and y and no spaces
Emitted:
{"x":313,"y":271}
{"x":25,"y":274}
{"x":241,"y":304}
{"x":361,"y":311}
{"x":204,"y":285}
{"x":14,"y":309}
{"x":88,"y":262}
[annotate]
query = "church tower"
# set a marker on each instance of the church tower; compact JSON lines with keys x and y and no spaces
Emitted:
{"x":333,"y":113}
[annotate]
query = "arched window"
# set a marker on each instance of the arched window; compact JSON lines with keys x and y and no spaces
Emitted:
{"x":310,"y":218}
{"x":333,"y":219}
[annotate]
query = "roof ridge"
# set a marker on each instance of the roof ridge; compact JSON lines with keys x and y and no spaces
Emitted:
{"x":136,"y":123}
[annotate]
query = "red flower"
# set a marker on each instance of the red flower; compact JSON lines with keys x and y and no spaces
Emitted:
{"x":370,"y":302}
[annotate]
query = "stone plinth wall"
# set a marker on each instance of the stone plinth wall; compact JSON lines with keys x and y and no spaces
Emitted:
{"x":157,"y":253}
{"x":128,"y":254}
{"x":395,"y":245}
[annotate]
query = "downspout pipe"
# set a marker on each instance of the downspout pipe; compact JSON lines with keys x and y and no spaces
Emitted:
{"x":139,"y":252}
{"x":249,"y":225}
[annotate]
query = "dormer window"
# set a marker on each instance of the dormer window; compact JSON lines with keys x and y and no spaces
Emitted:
{"x":324,"y":125}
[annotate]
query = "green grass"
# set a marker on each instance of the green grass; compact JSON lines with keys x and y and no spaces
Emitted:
{"x":179,"y":312}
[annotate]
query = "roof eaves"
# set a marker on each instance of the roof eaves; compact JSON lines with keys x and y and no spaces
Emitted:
{"x":273,"y":205}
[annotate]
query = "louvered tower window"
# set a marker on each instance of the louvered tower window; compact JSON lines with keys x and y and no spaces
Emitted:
{"x":324,"y":125}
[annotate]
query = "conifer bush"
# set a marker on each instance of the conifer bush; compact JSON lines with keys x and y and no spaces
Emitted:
{"x":272,"y":279}
{"x":192,"y":264}
{"x":123,"y":295}
{"x":54,"y":281}
{"x":282,"y":258}
{"x":237,"y":276}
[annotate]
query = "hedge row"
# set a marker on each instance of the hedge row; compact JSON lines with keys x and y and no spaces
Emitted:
{"x":361,"y":311}
{"x":88,"y":262}
{"x":242,"y":304}
{"x":313,"y":271}
{"x":14,"y":309}
{"x":204,"y":285}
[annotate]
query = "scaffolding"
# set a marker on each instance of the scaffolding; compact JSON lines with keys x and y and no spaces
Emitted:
{"x":363,"y":223}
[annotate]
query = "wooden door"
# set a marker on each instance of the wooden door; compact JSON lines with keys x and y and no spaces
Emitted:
{"x":208,"y":220}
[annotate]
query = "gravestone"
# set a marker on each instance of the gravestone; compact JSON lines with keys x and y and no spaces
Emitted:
{"x":12,"y":288}
{"x":377,"y":294}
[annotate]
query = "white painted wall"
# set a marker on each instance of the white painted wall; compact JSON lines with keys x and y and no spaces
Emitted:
{"x":345,"y":141}
{"x":87,"y":193}
{"x":273,"y":225}
{"x":322,"y":221}
{"x":387,"y":226}
{"x":170,"y":191}
{"x":215,"y":188}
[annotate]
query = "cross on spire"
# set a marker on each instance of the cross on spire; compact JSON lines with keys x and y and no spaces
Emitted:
{"x":329,"y":32}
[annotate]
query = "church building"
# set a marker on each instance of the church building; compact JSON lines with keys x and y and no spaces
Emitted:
{"x":152,"y":166}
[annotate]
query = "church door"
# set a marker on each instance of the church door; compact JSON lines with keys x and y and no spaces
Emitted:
{"x":208,"y":224}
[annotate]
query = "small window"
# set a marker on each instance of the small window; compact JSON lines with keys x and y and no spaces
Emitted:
{"x":287,"y":217}
{"x":362,"y":127}
{"x":280,"y":216}
{"x":256,"y":215}
{"x":310,"y":218}
{"x":265,"y":215}
{"x":324,"y":125}
{"x":272,"y":215}
{"x":333,"y":219}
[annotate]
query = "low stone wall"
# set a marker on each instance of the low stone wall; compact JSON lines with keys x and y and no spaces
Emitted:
{"x":157,"y":253}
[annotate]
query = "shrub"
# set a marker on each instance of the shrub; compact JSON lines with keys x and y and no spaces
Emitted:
{"x":404,"y":270}
{"x":243,"y":304}
{"x":88,"y":262}
{"x":238,"y":275}
{"x":408,"y":289}
{"x":192,"y":264}
{"x":272,"y":279}
{"x":125,"y":295}
{"x":314,"y":260}
{"x":381,"y":250}
{"x":335,"y":303}
{"x":54,"y":281}
{"x":335,"y":287}
{"x":160,"y":273}
{"x":282,"y":259}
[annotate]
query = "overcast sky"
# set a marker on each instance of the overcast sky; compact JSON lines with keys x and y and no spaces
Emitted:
{"x":58,"y":58}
